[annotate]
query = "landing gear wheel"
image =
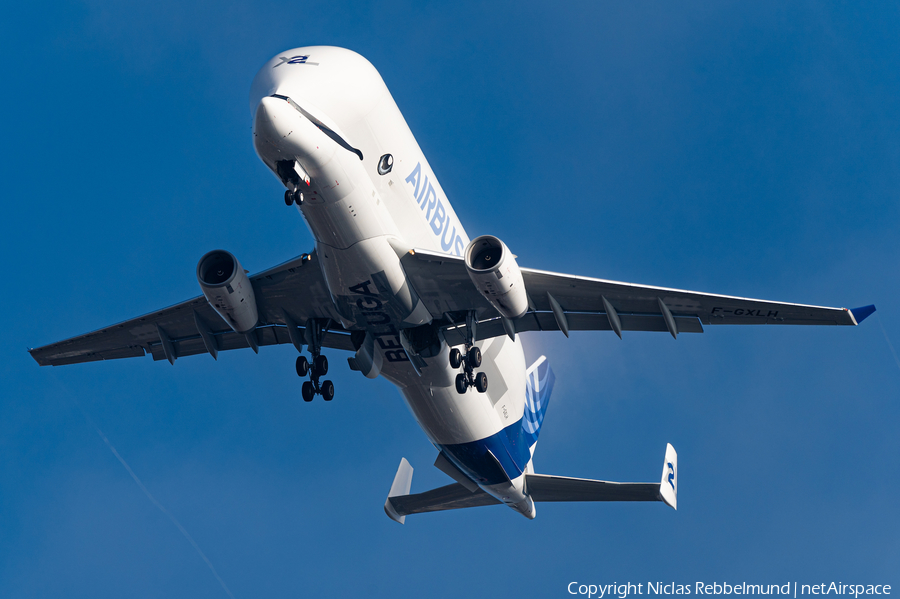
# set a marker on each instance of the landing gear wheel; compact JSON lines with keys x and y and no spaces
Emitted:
{"x":327,"y":390}
{"x":473,"y":357}
{"x":302,"y":366}
{"x":320,"y":365}
{"x":288,"y":197}
{"x":308,"y":391}
{"x":455,"y":358}
{"x":461,"y":383}
{"x":481,"y":382}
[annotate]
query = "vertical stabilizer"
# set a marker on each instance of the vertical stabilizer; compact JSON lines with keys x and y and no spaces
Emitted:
{"x":539,"y":379}
{"x":668,"y":487}
{"x":400,"y":487}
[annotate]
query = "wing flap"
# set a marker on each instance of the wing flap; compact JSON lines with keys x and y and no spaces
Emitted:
{"x":442,"y":283}
{"x":545,"y":321}
{"x":269,"y":335}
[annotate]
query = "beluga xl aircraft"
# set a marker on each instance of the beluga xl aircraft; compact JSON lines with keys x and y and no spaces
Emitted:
{"x":395,"y":281}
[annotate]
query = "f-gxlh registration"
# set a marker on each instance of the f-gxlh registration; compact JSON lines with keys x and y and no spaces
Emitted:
{"x":395,"y":281}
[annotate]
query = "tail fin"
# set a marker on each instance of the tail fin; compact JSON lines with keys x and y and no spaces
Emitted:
{"x":668,"y":486}
{"x":539,"y":379}
{"x":399,"y":488}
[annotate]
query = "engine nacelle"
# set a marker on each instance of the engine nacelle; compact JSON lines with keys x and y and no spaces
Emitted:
{"x":494,"y":270}
{"x":228,"y":290}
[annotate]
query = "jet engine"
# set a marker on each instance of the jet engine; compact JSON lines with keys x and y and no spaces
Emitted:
{"x":493,"y":269}
{"x":228,"y":290}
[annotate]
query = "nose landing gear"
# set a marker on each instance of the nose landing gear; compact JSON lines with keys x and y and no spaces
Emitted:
{"x":292,"y":175}
{"x":293,"y":195}
{"x":315,"y":331}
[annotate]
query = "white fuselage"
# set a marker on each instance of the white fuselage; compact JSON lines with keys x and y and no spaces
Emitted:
{"x":364,"y":222}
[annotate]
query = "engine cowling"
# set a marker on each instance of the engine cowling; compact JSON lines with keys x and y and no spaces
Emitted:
{"x":495,"y":273}
{"x":228,"y":290}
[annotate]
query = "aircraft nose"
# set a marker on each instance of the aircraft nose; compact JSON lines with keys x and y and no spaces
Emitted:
{"x":272,"y":121}
{"x":282,"y":131}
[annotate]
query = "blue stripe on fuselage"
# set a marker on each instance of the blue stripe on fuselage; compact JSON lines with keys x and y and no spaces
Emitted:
{"x":510,"y":446}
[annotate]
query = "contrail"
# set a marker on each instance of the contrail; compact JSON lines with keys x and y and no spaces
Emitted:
{"x":153,"y":499}
{"x":890,"y":345}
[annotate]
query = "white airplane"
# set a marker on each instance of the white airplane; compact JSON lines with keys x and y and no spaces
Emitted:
{"x":395,"y":280}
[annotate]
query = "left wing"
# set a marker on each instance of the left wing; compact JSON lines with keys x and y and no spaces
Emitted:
{"x":572,"y":303}
{"x":289,"y":293}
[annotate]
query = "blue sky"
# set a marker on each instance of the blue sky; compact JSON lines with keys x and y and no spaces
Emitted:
{"x":741,"y":148}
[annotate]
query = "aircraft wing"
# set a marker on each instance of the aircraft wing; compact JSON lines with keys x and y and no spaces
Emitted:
{"x":573,"y":303}
{"x":295,"y":291}
{"x":295,"y":288}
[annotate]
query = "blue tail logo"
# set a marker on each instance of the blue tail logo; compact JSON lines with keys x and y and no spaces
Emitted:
{"x":539,"y":379}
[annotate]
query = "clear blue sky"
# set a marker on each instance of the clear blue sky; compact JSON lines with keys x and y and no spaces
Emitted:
{"x":745,"y":148}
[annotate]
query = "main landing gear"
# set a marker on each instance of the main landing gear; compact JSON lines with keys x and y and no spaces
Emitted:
{"x":315,"y":331}
{"x":470,"y":361}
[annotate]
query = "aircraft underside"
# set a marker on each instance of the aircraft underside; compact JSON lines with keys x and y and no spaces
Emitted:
{"x":395,"y":282}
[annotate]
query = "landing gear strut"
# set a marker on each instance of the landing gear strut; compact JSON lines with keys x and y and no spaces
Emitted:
{"x":470,"y":361}
{"x":315,"y":331}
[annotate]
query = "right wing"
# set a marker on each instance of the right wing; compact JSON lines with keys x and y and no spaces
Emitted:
{"x":572,"y":303}
{"x":584,"y":294}
{"x":295,"y":288}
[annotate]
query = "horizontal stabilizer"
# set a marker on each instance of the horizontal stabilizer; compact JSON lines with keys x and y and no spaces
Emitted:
{"x":546,"y":487}
{"x":540,"y":487}
{"x":451,"y":497}
{"x":543,"y":487}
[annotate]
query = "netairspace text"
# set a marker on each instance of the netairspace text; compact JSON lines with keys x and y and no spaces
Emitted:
{"x":791,"y":589}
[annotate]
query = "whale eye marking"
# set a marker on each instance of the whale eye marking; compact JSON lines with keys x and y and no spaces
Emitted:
{"x":385,"y":164}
